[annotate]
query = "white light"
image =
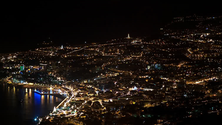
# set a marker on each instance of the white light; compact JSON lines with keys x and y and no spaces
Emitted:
{"x":54,"y":110}
{"x":35,"y":119}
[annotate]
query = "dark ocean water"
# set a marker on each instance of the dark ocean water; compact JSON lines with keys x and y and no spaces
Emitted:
{"x":13,"y":112}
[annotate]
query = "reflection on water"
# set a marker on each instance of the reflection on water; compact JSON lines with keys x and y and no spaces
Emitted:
{"x":13,"y":89}
{"x":57,"y":99}
{"x":30,"y":93}
{"x":52,"y":99}
{"x":26,"y":98}
{"x":48,"y":98}
{"x":42,"y":99}
{"x":22,"y":105}
{"x":37,"y":99}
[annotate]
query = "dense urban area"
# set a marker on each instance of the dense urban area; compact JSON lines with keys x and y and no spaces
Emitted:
{"x":173,"y":79}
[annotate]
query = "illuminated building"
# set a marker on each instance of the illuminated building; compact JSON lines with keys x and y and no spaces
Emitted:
{"x":128,"y":37}
{"x":22,"y":67}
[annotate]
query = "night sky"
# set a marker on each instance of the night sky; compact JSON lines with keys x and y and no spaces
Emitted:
{"x":26,"y":23}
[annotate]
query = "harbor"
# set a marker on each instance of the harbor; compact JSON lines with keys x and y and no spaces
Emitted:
{"x":32,"y":104}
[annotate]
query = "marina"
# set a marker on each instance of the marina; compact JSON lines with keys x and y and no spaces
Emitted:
{"x":23,"y":104}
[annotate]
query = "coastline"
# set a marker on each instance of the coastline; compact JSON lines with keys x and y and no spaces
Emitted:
{"x":59,"y":91}
{"x":23,"y":97}
{"x":35,"y":86}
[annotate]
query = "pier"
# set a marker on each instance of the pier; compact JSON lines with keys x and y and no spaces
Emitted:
{"x":48,"y":93}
